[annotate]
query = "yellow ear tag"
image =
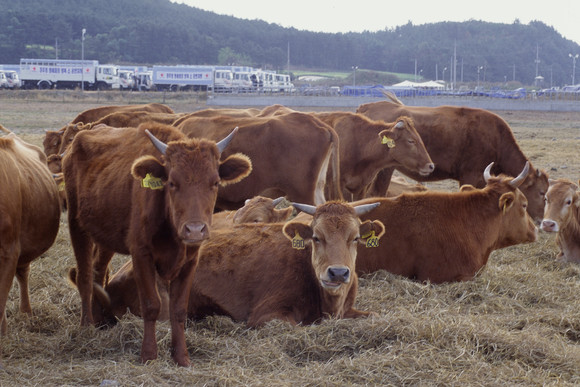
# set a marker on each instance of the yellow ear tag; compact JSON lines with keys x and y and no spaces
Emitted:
{"x":152,"y":182}
{"x":504,"y":206}
{"x":389,"y":141}
{"x":372,"y":240}
{"x":298,"y":242}
{"x":61,"y":186}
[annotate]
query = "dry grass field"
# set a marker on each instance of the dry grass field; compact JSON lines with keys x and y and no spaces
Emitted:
{"x":516,"y":323}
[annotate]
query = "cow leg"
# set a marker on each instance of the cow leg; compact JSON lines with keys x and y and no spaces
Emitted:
{"x":144,"y":269}
{"x":178,"y":304}
{"x":380,"y":184}
{"x":83,"y":249}
{"x":22,"y":277}
{"x":101,"y":265}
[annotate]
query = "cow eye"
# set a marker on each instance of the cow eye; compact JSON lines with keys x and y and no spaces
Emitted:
{"x":412,"y":142}
{"x":568,"y":202}
{"x":315,"y":239}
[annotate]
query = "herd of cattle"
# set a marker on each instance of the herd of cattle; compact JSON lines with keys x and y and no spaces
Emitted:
{"x":189,"y":197}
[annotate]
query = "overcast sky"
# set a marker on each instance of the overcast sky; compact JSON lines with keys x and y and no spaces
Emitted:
{"x":376,"y":15}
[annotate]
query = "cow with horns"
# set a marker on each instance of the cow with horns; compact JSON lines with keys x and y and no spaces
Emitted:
{"x":148,"y":192}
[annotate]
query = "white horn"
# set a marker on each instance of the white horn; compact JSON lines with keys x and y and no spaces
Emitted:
{"x":364,"y":208}
{"x":307,"y":208}
{"x":160,"y":145}
{"x":486,"y":173}
{"x":522,"y":176}
{"x":224,"y":143}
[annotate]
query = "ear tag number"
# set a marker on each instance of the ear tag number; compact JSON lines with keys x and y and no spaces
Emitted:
{"x":152,"y":182}
{"x":372,"y":240}
{"x":388,"y":141}
{"x":298,"y":242}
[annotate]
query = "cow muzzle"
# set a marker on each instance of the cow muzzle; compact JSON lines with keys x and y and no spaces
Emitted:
{"x":550,"y":225}
{"x":335,"y":276}
{"x":193,"y":233}
{"x":427,"y":169}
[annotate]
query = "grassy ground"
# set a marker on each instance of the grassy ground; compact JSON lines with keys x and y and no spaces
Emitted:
{"x":516,"y":323}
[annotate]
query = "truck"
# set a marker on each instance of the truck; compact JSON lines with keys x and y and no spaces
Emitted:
{"x":126,"y":79}
{"x":196,"y":78}
{"x":68,"y":74}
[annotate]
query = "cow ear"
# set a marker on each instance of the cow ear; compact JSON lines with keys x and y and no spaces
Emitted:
{"x":148,"y":165}
{"x":506,"y":200}
{"x":297,"y":232}
{"x":371,"y":229}
{"x":466,"y":187}
{"x":234,"y":168}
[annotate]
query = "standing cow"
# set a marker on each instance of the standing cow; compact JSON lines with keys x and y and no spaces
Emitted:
{"x":151,"y":194}
{"x":368,"y":146}
{"x":29,"y":216}
{"x":290,"y":155}
{"x":53,"y":139}
{"x":562,"y":215}
{"x":296,"y":272}
{"x":448,"y":236}
{"x":462,"y":142}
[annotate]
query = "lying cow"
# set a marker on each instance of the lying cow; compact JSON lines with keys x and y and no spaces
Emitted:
{"x":444,"y":237}
{"x":562,"y":215}
{"x":259,"y":209}
{"x":29,"y":216}
{"x":148,"y":192}
{"x":252,"y":273}
{"x":462,"y":142}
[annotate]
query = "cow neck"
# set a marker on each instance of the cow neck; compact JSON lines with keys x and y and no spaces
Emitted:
{"x":511,"y":159}
{"x":334,"y":305}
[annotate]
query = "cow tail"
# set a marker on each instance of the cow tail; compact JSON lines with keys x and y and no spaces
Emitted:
{"x":335,"y":189}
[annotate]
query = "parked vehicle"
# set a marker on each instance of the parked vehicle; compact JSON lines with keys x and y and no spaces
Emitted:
{"x":68,"y":74}
{"x":10,"y":79}
{"x":126,"y":79}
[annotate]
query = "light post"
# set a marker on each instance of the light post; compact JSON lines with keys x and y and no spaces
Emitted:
{"x":574,"y":57}
{"x":354,"y":68}
{"x":479,"y":68}
{"x":83,"y":60}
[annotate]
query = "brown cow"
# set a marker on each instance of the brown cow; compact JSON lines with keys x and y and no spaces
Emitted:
{"x":53,"y":139}
{"x":252,"y":273}
{"x":237,"y":113}
{"x":122,"y":198}
{"x":368,"y":146}
{"x":562,"y":215}
{"x":259,"y":209}
{"x":29,"y":216}
{"x":290,"y":156}
{"x":448,"y":236}
{"x":462,"y":142}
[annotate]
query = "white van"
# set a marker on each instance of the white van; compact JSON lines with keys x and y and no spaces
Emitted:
{"x":223,"y":81}
{"x":242,"y":82}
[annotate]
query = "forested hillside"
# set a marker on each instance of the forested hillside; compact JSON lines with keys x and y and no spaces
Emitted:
{"x":147,"y":32}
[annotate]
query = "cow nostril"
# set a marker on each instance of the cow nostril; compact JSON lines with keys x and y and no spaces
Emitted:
{"x":338,"y":274}
{"x":431,"y":166}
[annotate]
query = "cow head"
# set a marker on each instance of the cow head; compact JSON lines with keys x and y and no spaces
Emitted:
{"x":52,"y":140}
{"x":535,"y":187}
{"x":516,"y":224}
{"x":406,"y":146}
{"x":562,"y":201}
{"x":190,"y":174}
{"x":334,"y":233}
{"x":260,"y":209}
